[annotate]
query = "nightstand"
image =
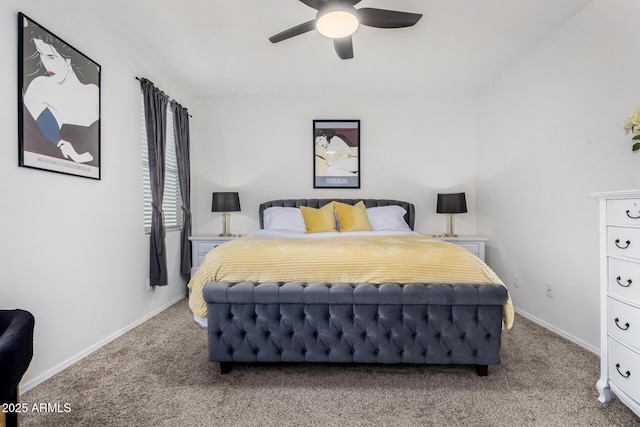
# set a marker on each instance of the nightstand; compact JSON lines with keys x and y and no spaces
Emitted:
{"x":201,"y":245}
{"x":473,"y":244}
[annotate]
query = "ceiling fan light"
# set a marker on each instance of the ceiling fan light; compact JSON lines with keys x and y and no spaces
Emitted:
{"x":337,"y":24}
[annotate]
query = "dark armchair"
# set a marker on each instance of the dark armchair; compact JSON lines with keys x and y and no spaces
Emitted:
{"x":16,"y":351}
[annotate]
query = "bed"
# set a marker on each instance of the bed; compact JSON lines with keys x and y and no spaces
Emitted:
{"x":382,"y":294}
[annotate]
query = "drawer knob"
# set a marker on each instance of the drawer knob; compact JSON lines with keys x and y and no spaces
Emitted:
{"x":628,"y":243}
{"x":626,"y":325}
{"x":633,"y":217}
{"x":620,"y":283}
{"x":625,"y":375}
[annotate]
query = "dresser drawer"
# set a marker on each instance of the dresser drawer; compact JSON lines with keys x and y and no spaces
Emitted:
{"x":471,"y":247}
{"x":624,"y":369}
{"x":623,"y":212}
{"x":200,"y":247}
{"x":623,"y":241}
{"x":623,"y":323}
{"x":203,"y":248}
{"x":624,"y":279}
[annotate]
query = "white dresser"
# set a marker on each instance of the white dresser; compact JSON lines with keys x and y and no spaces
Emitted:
{"x":620,"y":297}
{"x":473,"y":244}
{"x":201,"y":245}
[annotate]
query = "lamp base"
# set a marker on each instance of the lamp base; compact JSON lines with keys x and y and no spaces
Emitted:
{"x":226,"y":226}
{"x":449,"y":232}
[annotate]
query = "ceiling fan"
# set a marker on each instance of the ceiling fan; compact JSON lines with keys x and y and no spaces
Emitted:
{"x":339,"y":19}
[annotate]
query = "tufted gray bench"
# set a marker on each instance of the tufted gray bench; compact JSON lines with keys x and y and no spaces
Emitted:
{"x":355,"y":323}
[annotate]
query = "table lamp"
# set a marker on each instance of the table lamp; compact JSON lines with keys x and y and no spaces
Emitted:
{"x":225,"y":202}
{"x":450,"y":204}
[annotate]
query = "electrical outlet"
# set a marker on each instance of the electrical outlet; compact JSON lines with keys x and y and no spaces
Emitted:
{"x":516,"y":280}
{"x":549,"y":290}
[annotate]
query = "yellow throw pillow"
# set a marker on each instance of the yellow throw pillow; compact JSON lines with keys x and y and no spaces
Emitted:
{"x":353,"y":218}
{"x":319,"y":220}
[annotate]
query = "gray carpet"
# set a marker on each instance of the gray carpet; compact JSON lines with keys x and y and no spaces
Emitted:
{"x":158,"y":375}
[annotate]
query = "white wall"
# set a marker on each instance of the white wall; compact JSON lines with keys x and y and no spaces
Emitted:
{"x":549,"y":133}
{"x":411,"y":149}
{"x":73,"y":250}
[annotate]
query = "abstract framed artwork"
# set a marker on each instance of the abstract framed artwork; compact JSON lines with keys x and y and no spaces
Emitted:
{"x":58,"y":104}
{"x":336,"y":161}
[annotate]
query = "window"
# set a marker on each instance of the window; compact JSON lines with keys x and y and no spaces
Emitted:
{"x":172,"y":201}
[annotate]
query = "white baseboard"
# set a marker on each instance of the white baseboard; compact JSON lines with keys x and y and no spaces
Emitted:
{"x":28,"y":385}
{"x":560,"y":332}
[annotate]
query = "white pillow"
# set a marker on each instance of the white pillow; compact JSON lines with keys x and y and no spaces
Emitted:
{"x":280,"y":218}
{"x":387,"y":218}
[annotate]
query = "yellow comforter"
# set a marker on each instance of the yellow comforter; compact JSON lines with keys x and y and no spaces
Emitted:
{"x":348,"y":259}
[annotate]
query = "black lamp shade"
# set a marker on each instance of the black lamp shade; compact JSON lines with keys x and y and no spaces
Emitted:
{"x":451,"y":203}
{"x":226,"y":201}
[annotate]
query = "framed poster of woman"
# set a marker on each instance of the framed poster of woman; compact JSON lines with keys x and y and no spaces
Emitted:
{"x":58,"y":104}
{"x":336,"y":154}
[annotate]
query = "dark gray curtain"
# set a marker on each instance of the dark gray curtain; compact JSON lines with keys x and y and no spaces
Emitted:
{"x":155,"y":113}
{"x":181,"y":131}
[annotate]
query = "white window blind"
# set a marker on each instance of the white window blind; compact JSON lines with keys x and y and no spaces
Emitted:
{"x":171,"y":202}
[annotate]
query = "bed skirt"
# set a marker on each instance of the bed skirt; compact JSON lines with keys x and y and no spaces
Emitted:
{"x":355,"y":323}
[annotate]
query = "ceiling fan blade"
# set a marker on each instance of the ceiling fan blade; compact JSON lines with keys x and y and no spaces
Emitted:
{"x":315,"y":4}
{"x":382,"y":18}
{"x":344,"y":47}
{"x":351,"y":2}
{"x":294,"y":31}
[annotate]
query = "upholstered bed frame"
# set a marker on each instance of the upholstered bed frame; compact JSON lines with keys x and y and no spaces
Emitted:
{"x":418,"y":323}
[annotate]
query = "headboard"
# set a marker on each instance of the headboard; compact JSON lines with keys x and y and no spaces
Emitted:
{"x":318,"y":203}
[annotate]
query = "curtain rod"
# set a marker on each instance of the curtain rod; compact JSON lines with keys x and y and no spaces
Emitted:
{"x":170,"y":99}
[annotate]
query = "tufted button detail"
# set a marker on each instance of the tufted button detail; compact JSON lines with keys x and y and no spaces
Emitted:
{"x":256,"y":351}
{"x":279,"y":317}
{"x":280,"y":351}
{"x":376,"y":351}
{"x":328,"y":351}
{"x":462,"y":336}
{"x":389,"y":335}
